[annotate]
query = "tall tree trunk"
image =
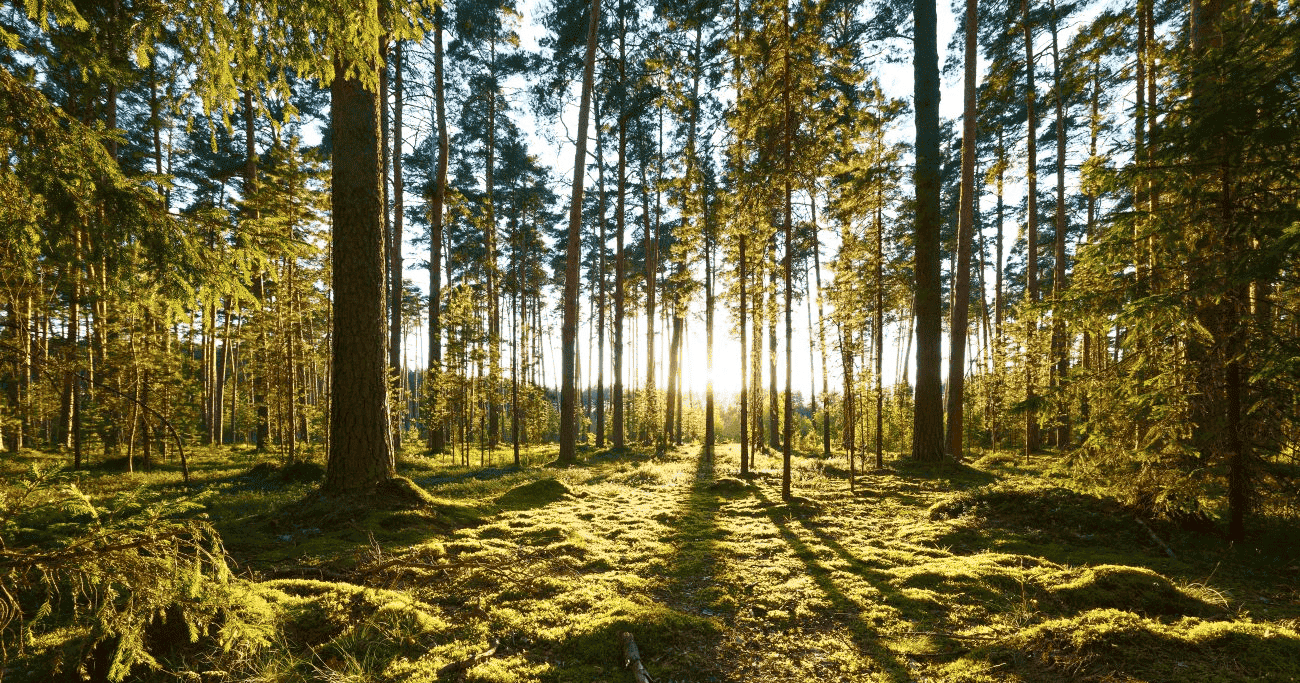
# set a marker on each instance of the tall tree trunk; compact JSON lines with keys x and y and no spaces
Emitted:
{"x":880,"y":329}
{"x":651,"y":272}
{"x":757,"y":439}
{"x":437,"y":433}
{"x":490,"y":255}
{"x":600,"y":292}
{"x":821,"y":342}
{"x":360,"y":449}
{"x":965,"y":228}
{"x":787,"y":427}
{"x":927,"y":435}
{"x":261,"y":381}
{"x":773,"y":394}
{"x":670,"y":410}
{"x":998,"y":340}
{"x":1060,"y":344}
{"x":1031,"y":234}
{"x":395,"y":248}
{"x":742,"y":276}
{"x":568,"y":431}
{"x":681,"y":365}
{"x":709,"y":425}
{"x":619,"y":436}
{"x":514,"y":342}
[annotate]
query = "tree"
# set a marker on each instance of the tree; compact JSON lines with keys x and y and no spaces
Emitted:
{"x":437,"y":437}
{"x":361,"y":448}
{"x":927,"y":437}
{"x":965,"y":227}
{"x":1031,"y":234}
{"x":568,"y":391}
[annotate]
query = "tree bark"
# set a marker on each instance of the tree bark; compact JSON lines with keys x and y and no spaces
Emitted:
{"x":568,"y":428}
{"x":1060,"y":344}
{"x":361,"y":449}
{"x":437,"y":434}
{"x":1031,"y":233}
{"x":927,"y":435}
{"x":965,"y":229}
{"x":395,"y":249}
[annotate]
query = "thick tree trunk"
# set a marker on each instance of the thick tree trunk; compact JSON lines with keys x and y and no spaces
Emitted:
{"x":568,"y":398}
{"x":360,"y":450}
{"x":927,"y":437}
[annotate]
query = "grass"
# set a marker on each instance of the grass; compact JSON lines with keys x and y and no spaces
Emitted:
{"x":992,"y":572}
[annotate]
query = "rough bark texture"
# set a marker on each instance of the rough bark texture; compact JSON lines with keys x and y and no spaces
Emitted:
{"x":965,"y":228}
{"x":927,"y":436}
{"x":360,"y":450}
{"x":568,"y":392}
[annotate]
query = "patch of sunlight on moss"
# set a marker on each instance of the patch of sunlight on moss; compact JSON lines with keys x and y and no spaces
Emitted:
{"x":1136,"y":589}
{"x":533,"y":495}
{"x":1115,"y":645}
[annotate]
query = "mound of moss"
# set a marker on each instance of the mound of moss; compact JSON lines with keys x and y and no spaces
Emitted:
{"x":1135,"y":589}
{"x":533,"y":495}
{"x":1044,"y":512}
{"x":1114,"y":645}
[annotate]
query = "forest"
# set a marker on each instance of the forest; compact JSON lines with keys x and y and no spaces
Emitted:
{"x":416,"y":340}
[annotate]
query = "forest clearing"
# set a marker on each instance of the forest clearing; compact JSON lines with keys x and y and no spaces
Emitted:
{"x":1000,"y":571}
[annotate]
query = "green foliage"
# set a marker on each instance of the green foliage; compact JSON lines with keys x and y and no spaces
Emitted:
{"x":115,"y":587}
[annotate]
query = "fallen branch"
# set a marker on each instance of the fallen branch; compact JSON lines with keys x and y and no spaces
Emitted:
{"x":464,"y":664}
{"x":76,"y":554}
{"x":1154,"y":537}
{"x":632,"y":659}
{"x":955,"y":636}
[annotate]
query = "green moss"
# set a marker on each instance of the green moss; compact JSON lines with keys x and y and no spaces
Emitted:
{"x":1114,"y":645}
{"x":532,"y":495}
{"x":1135,"y":589}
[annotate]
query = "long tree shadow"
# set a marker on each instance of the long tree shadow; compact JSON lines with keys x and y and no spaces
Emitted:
{"x":846,"y":610}
{"x":674,"y":620}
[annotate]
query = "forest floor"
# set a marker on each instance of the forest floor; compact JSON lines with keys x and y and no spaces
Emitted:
{"x":998,"y":571}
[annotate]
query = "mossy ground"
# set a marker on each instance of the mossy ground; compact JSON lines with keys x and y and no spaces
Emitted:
{"x":997,"y":572}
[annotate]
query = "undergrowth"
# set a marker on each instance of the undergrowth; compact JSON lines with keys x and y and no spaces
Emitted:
{"x":998,"y":571}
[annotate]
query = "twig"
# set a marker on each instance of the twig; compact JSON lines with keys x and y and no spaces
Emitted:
{"x":11,"y":559}
{"x":464,"y":664}
{"x":946,"y":635}
{"x":632,"y":659}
